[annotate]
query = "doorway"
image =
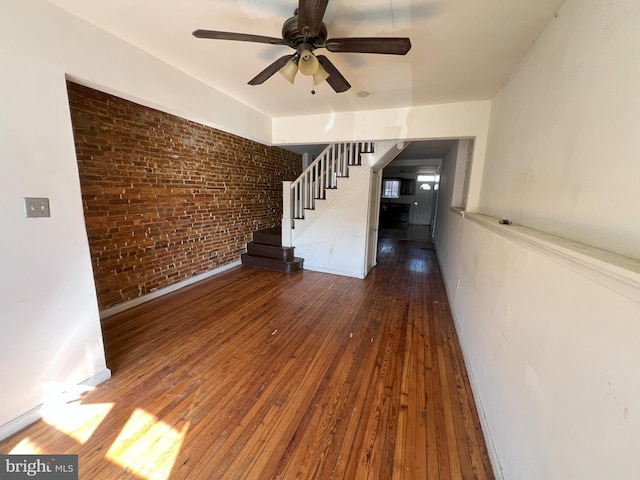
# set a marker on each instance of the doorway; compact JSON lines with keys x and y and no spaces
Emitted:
{"x":410,"y":215}
{"x":409,"y":212}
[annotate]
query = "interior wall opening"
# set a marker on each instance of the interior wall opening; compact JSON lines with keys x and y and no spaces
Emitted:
{"x":410,"y":187}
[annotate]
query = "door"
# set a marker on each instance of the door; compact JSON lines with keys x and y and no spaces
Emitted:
{"x":424,"y":204}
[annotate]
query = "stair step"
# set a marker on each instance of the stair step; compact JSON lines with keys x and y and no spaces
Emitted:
{"x":268,"y":236}
{"x":294,"y":265}
{"x":276,"y":252}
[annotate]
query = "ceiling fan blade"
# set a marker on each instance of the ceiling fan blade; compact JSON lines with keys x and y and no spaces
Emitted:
{"x":270,"y":70}
{"x":335,"y":79}
{"x":242,"y":37}
{"x":310,"y":14}
{"x":385,"y":45}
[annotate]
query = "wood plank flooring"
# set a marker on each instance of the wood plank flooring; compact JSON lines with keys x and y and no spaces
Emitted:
{"x":259,"y":375}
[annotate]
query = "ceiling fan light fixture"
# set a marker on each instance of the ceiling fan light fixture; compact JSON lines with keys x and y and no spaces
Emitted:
{"x":289,"y":70}
{"x":320,"y":76}
{"x":308,"y":63}
{"x":305,"y":32}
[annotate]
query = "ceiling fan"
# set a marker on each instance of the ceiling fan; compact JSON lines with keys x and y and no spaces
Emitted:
{"x":306,"y":32}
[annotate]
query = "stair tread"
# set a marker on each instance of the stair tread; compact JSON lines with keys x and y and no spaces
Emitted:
{"x":270,"y":245}
{"x":278,"y":258}
{"x":275,"y":230}
{"x":266,"y":257}
{"x":257,"y":242}
{"x":272,"y":264}
{"x":268,"y":236}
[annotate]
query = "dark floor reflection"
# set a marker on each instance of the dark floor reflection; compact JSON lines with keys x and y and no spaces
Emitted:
{"x":410,"y":255}
{"x":418,"y":233}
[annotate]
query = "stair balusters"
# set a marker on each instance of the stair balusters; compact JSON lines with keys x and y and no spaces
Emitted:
{"x":323,"y":173}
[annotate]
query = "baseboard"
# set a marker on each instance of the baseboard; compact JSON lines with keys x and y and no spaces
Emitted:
{"x":121,"y":307}
{"x":486,"y":428}
{"x":35,"y":414}
{"x":98,"y":378}
{"x":332,"y":271}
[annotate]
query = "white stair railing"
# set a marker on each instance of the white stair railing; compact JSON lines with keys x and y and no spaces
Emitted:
{"x":323,"y":173}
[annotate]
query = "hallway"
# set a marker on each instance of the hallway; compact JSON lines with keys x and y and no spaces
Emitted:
{"x":256,"y":374}
{"x":417,"y":233}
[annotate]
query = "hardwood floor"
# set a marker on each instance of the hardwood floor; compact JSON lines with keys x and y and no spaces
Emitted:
{"x":257,"y":374}
{"x":418,"y":233}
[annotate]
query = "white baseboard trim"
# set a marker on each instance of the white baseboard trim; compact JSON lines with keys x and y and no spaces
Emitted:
{"x":342,"y":273}
{"x":23,"y":421}
{"x":98,"y":378}
{"x":35,"y":414}
{"x":121,"y":307}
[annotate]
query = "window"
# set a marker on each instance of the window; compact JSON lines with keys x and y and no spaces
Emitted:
{"x":391,"y":189}
{"x":428,"y":178}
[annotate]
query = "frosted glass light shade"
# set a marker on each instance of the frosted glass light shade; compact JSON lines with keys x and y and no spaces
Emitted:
{"x":308,"y":63}
{"x":289,"y":71}
{"x":320,"y":76}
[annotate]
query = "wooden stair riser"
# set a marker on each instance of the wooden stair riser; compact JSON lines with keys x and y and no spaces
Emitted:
{"x":266,"y":251}
{"x":272,"y":251}
{"x":272,"y":264}
{"x":270,"y":236}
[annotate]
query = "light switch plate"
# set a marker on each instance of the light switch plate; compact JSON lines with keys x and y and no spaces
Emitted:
{"x":36,"y":207}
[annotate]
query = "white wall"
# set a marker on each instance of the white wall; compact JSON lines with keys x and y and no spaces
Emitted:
{"x":455,"y":120}
{"x":448,"y":243}
{"x":564,"y":155}
{"x":336,"y":240}
{"x":550,"y":328}
{"x":49,"y":323}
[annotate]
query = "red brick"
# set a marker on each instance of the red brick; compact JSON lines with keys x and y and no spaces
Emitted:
{"x":166,"y":198}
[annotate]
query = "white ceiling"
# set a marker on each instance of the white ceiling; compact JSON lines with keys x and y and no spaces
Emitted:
{"x":461,"y":49}
{"x":420,"y":157}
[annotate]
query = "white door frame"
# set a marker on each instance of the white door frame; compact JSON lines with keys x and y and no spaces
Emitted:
{"x":371,"y":253}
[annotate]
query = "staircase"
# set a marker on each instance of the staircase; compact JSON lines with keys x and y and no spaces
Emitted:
{"x":323,"y":174}
{"x":266,"y":251}
{"x":318,"y":179}
{"x":328,"y":213}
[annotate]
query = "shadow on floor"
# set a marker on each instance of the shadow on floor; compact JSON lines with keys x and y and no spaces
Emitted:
{"x":417,"y":233}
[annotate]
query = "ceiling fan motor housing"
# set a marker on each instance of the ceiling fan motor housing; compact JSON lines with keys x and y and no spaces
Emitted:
{"x":292,"y":35}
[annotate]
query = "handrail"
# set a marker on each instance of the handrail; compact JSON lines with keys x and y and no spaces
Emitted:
{"x":301,"y":194}
{"x":323,"y":173}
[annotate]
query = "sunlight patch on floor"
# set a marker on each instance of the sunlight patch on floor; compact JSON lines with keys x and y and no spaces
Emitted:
{"x":76,"y":420}
{"x":26,"y":447}
{"x":147,"y":446}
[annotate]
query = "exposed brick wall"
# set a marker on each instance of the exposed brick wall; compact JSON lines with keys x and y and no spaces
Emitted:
{"x":165,"y":198}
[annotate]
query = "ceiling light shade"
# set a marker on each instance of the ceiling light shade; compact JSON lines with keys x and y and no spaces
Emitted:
{"x":289,"y":70}
{"x":308,"y":64}
{"x":320,"y":76}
